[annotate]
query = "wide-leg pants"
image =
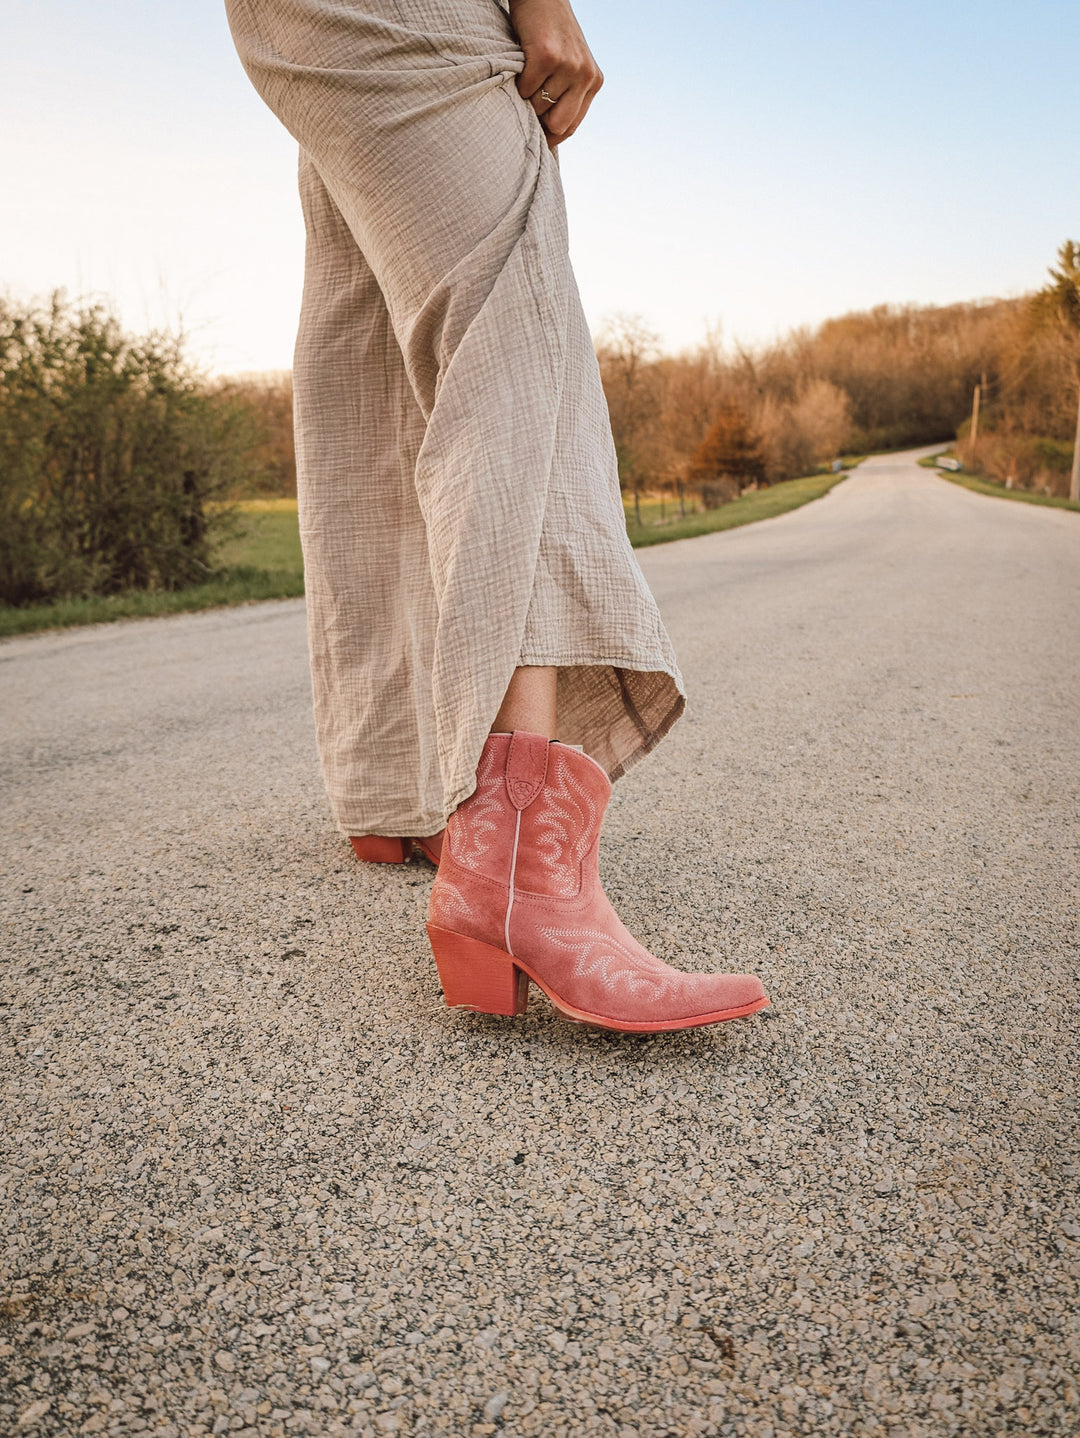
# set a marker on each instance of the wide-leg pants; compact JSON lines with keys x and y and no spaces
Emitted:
{"x":460,"y":511}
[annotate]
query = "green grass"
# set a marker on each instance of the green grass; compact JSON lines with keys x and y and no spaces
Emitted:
{"x":261,"y":559}
{"x":268,"y":538}
{"x":761,"y":504}
{"x":242,"y":586}
{"x":978,"y":484}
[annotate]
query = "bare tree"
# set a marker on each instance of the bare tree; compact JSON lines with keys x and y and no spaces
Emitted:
{"x":627,"y":351}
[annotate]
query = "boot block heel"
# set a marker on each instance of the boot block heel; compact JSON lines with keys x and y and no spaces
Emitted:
{"x":478,"y":976}
{"x":374,"y":849}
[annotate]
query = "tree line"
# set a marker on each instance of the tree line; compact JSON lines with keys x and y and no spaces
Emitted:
{"x":712,"y":421}
{"x":117,"y":457}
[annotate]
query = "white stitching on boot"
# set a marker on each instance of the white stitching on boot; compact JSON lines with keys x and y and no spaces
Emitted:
{"x":513,"y":872}
{"x":564,"y":825}
{"x":477,"y":817}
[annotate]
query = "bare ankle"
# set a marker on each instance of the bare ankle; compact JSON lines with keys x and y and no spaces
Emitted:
{"x":529,"y":702}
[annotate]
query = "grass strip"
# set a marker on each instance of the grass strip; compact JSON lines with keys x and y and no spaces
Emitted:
{"x":747,"y":509}
{"x":239,"y":586}
{"x":979,"y":485}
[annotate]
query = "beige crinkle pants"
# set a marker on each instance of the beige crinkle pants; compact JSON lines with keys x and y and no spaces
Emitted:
{"x":459,"y":499}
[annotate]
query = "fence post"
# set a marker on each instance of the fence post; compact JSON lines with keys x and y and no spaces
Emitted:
{"x":1074,"y":480}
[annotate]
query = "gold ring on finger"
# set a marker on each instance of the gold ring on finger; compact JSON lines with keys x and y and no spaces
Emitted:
{"x":545,"y":96}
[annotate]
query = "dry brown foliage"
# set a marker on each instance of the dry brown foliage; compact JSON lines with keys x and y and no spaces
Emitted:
{"x":1029,"y":398}
{"x":729,"y":458}
{"x":884,"y":378}
{"x":268,"y":399}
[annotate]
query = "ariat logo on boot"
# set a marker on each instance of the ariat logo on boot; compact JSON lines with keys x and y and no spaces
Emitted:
{"x":526,"y":767}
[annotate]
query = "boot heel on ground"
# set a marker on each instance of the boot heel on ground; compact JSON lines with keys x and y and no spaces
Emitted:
{"x":477,"y":976}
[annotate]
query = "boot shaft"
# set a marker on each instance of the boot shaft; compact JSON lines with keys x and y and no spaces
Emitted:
{"x":534,"y":818}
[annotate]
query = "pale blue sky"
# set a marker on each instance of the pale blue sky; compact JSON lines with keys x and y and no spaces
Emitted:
{"x":757,"y":163}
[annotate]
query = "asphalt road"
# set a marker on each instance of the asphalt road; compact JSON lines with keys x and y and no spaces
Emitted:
{"x":258,"y":1179}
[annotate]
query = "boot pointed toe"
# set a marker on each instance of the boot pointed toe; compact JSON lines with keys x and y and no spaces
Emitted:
{"x":723,"y":993}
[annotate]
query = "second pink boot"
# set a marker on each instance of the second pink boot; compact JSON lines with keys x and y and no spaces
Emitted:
{"x":378,"y":849}
{"x":518,"y":898}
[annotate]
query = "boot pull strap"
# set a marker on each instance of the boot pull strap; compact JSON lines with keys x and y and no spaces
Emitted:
{"x":526,"y":767}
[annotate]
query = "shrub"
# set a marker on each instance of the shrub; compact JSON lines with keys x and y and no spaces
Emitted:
{"x":800,"y":434}
{"x":110,"y":452}
{"x":1008,"y":455}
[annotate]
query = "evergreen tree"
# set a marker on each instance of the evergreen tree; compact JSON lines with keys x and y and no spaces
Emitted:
{"x":1061,"y":298}
{"x":730,"y":450}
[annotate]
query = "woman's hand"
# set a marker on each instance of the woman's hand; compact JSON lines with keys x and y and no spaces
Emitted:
{"x":558,"y":62}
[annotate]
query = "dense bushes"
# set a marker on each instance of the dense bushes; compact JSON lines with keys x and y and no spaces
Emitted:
{"x":111,"y":452}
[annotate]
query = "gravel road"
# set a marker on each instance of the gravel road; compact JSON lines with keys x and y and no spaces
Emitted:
{"x":258,"y":1179}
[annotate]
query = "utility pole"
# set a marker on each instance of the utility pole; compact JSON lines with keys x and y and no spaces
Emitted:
{"x":975,"y":419}
{"x":1074,"y":481}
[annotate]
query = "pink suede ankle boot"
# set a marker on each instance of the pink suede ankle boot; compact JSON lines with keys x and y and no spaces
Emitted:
{"x":518,"y":898}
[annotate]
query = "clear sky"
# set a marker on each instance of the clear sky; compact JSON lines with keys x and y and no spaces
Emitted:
{"x":753,"y":163}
